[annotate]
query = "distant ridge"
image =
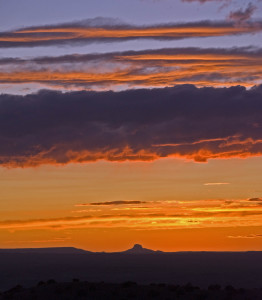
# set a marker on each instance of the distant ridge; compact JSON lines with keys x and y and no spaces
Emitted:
{"x":137,"y":249}
{"x":52,"y":250}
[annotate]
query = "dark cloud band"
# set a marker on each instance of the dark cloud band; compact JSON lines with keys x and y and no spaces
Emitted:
{"x":143,"y":125}
{"x":118,"y":202}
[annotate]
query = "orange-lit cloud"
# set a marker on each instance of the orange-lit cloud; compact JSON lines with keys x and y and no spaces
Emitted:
{"x":106,"y":30}
{"x":250,"y":236}
{"x":195,"y":214}
{"x":149,"y":68}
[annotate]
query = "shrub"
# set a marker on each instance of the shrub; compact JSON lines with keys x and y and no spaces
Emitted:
{"x":153,"y":293}
{"x":40,"y":283}
{"x":128,"y":284}
{"x":51,"y":281}
{"x":214,"y":287}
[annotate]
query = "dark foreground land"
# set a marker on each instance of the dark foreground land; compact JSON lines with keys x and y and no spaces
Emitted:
{"x":129,"y":290}
{"x":26,"y":267}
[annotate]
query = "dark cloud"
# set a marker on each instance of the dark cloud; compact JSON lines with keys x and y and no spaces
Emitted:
{"x":255,"y":199}
{"x":183,"y":121}
{"x":107,"y":30}
{"x":242,"y":15}
{"x":121,"y":202}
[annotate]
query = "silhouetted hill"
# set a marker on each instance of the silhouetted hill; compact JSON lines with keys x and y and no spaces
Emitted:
{"x":137,"y":249}
{"x":28,"y":266}
{"x":54,"y":250}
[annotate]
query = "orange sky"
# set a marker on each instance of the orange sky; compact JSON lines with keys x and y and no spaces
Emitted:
{"x":106,"y":161}
{"x":169,"y":204}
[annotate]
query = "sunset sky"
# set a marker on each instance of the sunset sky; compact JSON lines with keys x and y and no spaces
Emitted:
{"x":131,"y":121}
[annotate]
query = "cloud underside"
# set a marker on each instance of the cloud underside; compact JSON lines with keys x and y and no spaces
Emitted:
{"x":148,"y":68}
{"x":119,"y":202}
{"x":107,"y":30}
{"x":137,"y":125}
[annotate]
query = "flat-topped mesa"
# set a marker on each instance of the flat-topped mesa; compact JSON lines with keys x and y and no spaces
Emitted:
{"x":138,"y":249}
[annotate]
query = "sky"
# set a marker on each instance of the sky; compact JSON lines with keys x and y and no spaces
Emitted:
{"x":126,"y":122}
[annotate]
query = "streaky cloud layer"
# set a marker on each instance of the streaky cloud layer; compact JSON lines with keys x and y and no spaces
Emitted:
{"x":148,"y":68}
{"x":137,"y":125}
{"x":169,"y":215}
{"x":107,"y":30}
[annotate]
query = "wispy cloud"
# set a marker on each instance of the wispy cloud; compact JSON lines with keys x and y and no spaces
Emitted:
{"x":205,"y":1}
{"x":216,"y":183}
{"x":158,"y":215}
{"x":249,"y":236}
{"x":242,"y":15}
{"x":107,"y":30}
{"x":222,"y":3}
{"x":148,"y":68}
